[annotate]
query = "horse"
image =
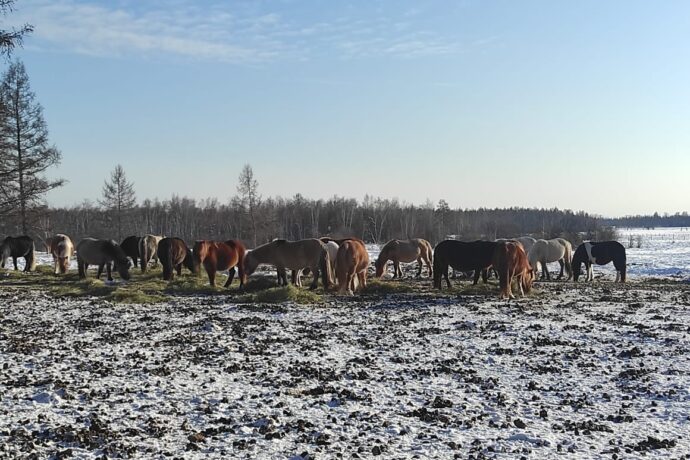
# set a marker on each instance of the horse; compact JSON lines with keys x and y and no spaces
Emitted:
{"x":352,"y":262}
{"x":462,"y":256}
{"x":173,"y":253}
{"x":220,"y":256}
{"x":131,"y":247}
{"x":404,"y":251}
{"x":103,"y":253}
{"x":62,"y":250}
{"x":600,"y":253}
{"x":545,"y":251}
{"x":293,"y":255}
{"x":148,"y":245}
{"x":510,"y":261}
{"x":21,"y":246}
{"x":331,"y":248}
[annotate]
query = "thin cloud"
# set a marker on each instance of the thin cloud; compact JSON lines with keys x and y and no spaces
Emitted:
{"x":236,"y":33}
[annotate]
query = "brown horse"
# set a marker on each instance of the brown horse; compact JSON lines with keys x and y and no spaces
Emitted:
{"x":405,"y":251}
{"x":173,"y":253}
{"x":292,"y":255}
{"x":351,"y":263}
{"x":220,"y":256}
{"x":510,"y":261}
{"x":62,"y":250}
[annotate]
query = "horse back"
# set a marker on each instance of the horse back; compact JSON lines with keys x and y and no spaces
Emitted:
{"x":465,"y":256}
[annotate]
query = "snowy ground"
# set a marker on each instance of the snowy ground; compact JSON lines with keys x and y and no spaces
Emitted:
{"x":575,"y":371}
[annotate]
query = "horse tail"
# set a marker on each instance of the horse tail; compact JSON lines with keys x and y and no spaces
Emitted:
{"x":325,"y":266}
{"x":31,"y":258}
{"x":438,"y":268}
{"x":241,"y":252}
{"x":143,"y":254}
{"x":569,"y":258}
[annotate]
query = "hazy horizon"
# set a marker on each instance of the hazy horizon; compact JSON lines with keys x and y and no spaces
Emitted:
{"x":483,"y":104}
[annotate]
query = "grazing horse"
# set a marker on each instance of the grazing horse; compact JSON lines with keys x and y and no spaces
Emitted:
{"x":600,"y":253}
{"x":554,"y":250}
{"x":462,"y":256}
{"x":352,"y":262}
{"x":331,"y":248}
{"x":173,"y":253}
{"x":21,"y":246}
{"x":62,"y":250}
{"x":292,"y":255}
{"x":404,"y":251}
{"x":148,"y":245}
{"x":220,"y":256}
{"x":131,"y":247}
{"x":510,"y":261}
{"x":103,"y":253}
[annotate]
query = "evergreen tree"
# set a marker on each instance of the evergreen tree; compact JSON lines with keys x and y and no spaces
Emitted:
{"x":25,"y":153}
{"x":118,"y":196}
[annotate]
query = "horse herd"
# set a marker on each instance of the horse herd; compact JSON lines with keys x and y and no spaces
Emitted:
{"x":344,"y":261}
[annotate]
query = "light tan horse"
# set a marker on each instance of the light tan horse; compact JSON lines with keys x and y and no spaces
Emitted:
{"x":405,"y":251}
{"x":351,"y":266}
{"x":292,"y":255}
{"x":148,"y":250}
{"x":554,"y":250}
{"x":61,"y":248}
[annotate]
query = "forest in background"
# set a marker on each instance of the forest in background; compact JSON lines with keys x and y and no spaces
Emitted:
{"x":375,"y":220}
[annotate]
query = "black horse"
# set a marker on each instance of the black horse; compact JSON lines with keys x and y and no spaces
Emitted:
{"x":131,"y":247}
{"x":600,"y":253}
{"x":462,"y":256}
{"x":21,"y":246}
{"x":173,"y":253}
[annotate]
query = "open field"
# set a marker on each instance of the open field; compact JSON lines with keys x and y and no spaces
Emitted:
{"x":583,"y":371}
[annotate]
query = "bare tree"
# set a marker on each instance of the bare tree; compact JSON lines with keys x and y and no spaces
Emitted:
{"x":10,"y":39}
{"x":25,"y":153}
{"x":248,"y":188}
{"x":118,"y":196}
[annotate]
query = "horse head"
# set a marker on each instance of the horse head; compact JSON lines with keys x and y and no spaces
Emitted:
{"x":250,"y":264}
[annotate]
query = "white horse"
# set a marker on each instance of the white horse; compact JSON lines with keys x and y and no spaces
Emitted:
{"x":62,"y":250}
{"x":554,"y":250}
{"x":148,"y":249}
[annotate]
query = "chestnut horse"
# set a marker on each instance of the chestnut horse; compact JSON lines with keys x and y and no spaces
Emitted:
{"x":462,"y":256}
{"x":62,"y":250}
{"x":351,"y":264}
{"x":103,"y":253}
{"x":600,"y":253}
{"x":292,"y":255}
{"x":220,"y":256}
{"x":405,"y":251}
{"x":148,"y":245}
{"x":21,"y":246}
{"x":510,"y":261}
{"x":173,"y":253}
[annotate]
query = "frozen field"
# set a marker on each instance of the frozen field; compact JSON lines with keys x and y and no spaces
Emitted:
{"x":586,"y":371}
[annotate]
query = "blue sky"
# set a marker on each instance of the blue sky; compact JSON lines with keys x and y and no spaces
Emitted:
{"x":580,"y":105}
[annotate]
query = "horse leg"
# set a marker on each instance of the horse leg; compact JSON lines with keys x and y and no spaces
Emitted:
{"x":485,"y":275}
{"x":55,"y":266}
{"x":477,"y":273}
{"x":109,"y":271}
{"x":14,"y":261}
{"x":211,"y":276}
{"x":562,"y":264}
{"x":231,"y":275}
{"x":179,"y":269}
{"x":546,"y":269}
{"x":100,"y":271}
{"x":317,"y":271}
{"x":419,"y":267}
